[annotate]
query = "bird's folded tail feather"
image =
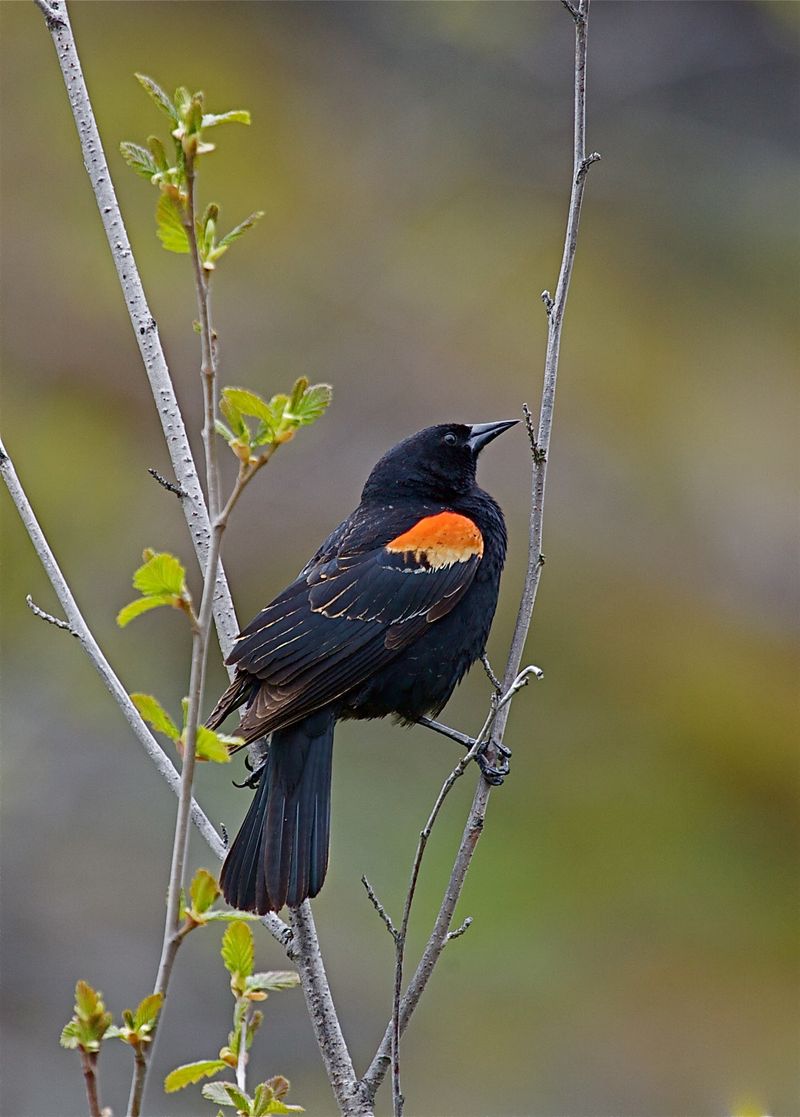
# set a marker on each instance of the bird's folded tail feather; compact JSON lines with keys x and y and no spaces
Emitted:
{"x":280,"y":855}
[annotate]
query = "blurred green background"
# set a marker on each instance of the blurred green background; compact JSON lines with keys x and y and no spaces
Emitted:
{"x":635,"y":894}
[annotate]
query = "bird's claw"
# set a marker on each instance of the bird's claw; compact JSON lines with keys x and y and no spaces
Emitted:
{"x":253,"y":780}
{"x":494,"y":774}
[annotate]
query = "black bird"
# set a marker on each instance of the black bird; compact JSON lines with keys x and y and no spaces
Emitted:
{"x":385,"y":619}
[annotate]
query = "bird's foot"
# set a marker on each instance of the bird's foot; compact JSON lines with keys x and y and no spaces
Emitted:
{"x":494,"y":774}
{"x":252,"y":780}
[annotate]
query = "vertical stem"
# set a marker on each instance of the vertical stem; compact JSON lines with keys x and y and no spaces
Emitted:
{"x":350,"y":1096}
{"x":144,"y":324}
{"x":89,"y":1065}
{"x":385,"y":1057}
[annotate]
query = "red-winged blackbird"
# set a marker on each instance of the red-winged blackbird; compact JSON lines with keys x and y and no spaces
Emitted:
{"x":385,"y":619}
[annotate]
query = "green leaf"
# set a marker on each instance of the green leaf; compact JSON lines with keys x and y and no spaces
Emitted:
{"x":153,"y":712}
{"x":246,"y":402}
{"x":312,"y":403}
{"x":158,"y":153}
{"x":216,"y":1092}
{"x":87,"y":1000}
{"x":203,"y":890}
{"x":242,"y":1101}
{"x":70,"y":1034}
{"x":268,"y":1098}
{"x":161,"y":573}
{"x":237,"y":949}
{"x":211,"y":746}
{"x":192,"y":1072}
{"x":298,"y":390}
{"x":234,"y":116}
{"x":147,"y":1011}
{"x":273,"y":980}
{"x":183,"y":100}
{"x":232,"y":413}
{"x":138,"y":159}
{"x":239,"y":230}
{"x":142,"y":605}
{"x":158,"y":95}
{"x":277,"y":406}
{"x":169,"y":226}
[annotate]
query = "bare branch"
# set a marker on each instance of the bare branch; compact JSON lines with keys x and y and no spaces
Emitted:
{"x":37,"y":612}
{"x":89,"y":1066}
{"x":386,"y":1054}
{"x":168,"y":485}
{"x":497,"y":686}
{"x":77,"y":625}
{"x":380,"y":909}
{"x":351,"y":1097}
{"x":465,"y":926}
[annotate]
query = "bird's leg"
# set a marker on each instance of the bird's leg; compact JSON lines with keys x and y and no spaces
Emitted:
{"x":491,"y":773}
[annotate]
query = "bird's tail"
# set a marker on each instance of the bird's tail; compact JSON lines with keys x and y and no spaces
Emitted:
{"x":280,"y":855}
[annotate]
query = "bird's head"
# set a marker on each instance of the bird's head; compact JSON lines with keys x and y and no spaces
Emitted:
{"x":434,"y":463}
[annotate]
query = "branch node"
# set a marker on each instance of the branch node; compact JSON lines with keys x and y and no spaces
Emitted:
{"x":381,"y":910}
{"x":180,"y":493}
{"x":547,"y":299}
{"x":586,"y":163}
{"x":51,"y":16}
{"x":465,"y":926}
{"x":576,"y":13}
{"x":37,"y":612}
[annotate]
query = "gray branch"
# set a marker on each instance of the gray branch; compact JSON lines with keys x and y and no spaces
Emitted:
{"x":143,"y":322}
{"x":513,"y":679}
{"x":349,"y":1092}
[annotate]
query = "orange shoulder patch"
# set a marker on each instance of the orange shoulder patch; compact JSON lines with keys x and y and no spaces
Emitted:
{"x":440,"y":540}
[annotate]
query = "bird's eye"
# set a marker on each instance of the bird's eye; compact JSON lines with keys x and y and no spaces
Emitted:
{"x":450,"y":439}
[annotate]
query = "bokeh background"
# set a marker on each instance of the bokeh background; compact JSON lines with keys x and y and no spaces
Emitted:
{"x":635,"y":894}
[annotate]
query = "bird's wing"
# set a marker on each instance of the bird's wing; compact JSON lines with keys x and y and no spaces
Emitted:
{"x":350,"y":612}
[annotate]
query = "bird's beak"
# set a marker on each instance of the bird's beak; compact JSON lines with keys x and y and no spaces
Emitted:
{"x":483,"y":433}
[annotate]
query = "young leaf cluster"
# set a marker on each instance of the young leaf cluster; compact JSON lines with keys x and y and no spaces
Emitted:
{"x":91,"y":1023}
{"x":171,"y":172}
{"x":255,"y":424}
{"x":210,"y":745}
{"x":161,"y":580}
{"x":247,"y":987}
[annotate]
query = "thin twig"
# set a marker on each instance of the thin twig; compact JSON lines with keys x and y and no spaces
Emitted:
{"x":37,"y":612}
{"x":241,"y":1062}
{"x":465,"y":926}
{"x":380,"y":909}
{"x":168,"y":485}
{"x":79,"y":627}
{"x":89,"y":1066}
{"x":497,"y":686}
{"x":385,"y":1055}
{"x":173,"y":938}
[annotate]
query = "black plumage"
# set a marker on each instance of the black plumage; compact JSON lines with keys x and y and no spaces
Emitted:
{"x":385,"y":619}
